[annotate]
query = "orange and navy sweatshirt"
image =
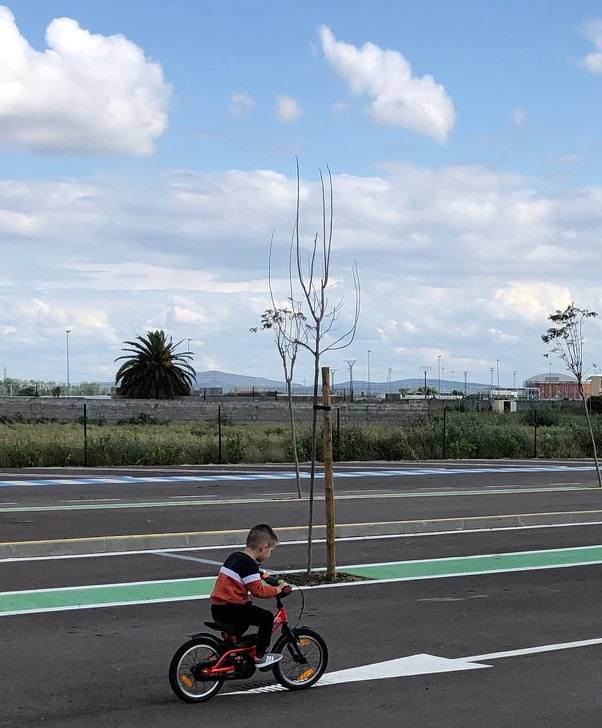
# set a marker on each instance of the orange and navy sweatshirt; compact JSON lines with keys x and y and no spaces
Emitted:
{"x":238,"y":576}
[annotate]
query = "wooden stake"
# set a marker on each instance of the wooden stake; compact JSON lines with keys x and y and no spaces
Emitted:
{"x":328,"y":478}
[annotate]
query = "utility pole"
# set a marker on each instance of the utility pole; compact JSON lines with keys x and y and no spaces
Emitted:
{"x":68,"y":331}
{"x":350,"y":363}
{"x":426,"y":370}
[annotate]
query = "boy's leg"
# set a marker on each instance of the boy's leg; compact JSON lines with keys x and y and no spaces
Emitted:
{"x":264,"y":620}
{"x":234,"y":615}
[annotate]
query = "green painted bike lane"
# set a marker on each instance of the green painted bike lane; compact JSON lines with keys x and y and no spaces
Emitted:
{"x":151,"y":592}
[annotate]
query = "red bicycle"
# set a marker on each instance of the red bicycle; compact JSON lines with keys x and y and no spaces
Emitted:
{"x":201,"y":665}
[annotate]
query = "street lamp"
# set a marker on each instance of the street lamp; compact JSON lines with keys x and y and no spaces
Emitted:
{"x":491,"y":376}
{"x":369,"y":350}
{"x":439,"y":381}
{"x":465,"y":383}
{"x":497,"y":364}
{"x":332,"y":373}
{"x":350,"y":363}
{"x":68,"y":331}
{"x":514,"y":379}
{"x":443,"y":375}
{"x":425,"y":369}
{"x":390,"y":373}
{"x":452,"y":381}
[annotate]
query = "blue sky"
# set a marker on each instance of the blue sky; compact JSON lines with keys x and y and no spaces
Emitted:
{"x":469,"y":221}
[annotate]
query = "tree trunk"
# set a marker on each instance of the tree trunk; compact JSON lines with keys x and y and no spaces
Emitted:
{"x":591,"y":433}
{"x":328,"y":479}
{"x":289,"y":392}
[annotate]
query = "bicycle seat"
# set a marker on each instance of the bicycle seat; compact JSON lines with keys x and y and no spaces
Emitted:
{"x":220,"y":627}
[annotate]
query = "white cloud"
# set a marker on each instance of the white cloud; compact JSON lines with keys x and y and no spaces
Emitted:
{"x":458,"y":259}
{"x":86,"y":93}
{"x":519,"y":116}
{"x":399,"y":98}
{"x":241,"y":104}
{"x":288,"y":109}
{"x":593,"y":32}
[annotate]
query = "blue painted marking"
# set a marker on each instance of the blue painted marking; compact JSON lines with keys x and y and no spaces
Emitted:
{"x":287,"y":475}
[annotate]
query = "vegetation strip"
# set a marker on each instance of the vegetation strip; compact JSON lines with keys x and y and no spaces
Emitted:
{"x":110,"y":595}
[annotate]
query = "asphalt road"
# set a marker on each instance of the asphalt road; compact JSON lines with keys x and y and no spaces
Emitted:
{"x":108,"y":666}
{"x":86,"y":667}
{"x":62,"y":509}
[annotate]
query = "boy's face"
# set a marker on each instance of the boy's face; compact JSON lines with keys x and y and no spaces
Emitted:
{"x":265,"y":551}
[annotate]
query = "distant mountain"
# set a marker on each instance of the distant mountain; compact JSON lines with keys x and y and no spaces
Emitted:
{"x":447,"y":385}
{"x":229,"y":382}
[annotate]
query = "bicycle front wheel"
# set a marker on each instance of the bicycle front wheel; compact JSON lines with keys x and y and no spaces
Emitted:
{"x":304,"y":659}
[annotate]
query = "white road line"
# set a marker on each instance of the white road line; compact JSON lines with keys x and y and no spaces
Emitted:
{"x":90,"y":500}
{"x":224,"y":547}
{"x":168,"y":554}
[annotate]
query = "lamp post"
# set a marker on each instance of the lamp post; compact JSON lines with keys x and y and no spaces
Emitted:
{"x":425,"y":369}
{"x":369,"y":350}
{"x":497,"y":364}
{"x":443,"y":375}
{"x":465,"y":383}
{"x":332,"y":373}
{"x":390,"y":373}
{"x":514,"y":379}
{"x":452,"y":381}
{"x":350,"y":363}
{"x":491,"y":377}
{"x":439,"y":379}
{"x":68,"y":331}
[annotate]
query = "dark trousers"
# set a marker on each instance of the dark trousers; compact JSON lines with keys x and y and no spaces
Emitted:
{"x":243,"y":616}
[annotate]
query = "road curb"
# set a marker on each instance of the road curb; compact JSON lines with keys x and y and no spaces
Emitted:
{"x":145,"y":542}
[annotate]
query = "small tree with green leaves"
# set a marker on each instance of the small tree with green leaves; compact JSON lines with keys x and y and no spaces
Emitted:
{"x":153,"y":369}
{"x":565,"y":337}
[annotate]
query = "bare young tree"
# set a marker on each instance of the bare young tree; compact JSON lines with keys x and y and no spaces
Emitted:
{"x":320,"y":334}
{"x":566,"y":339}
{"x":287,"y":325}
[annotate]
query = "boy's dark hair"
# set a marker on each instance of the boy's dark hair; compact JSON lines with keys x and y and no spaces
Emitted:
{"x":260,"y":534}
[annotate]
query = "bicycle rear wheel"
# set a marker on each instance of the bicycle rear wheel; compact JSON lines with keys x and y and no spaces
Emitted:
{"x":184,"y":676}
{"x":304,"y":659}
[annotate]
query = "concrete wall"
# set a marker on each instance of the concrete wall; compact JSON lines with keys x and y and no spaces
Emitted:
{"x":194,"y":410}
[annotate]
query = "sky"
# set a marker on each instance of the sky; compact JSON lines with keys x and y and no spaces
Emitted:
{"x":147,"y":156}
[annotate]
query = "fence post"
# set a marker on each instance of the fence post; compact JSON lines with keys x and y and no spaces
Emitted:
{"x":338,"y":433}
{"x":85,"y":435}
{"x":444,"y":433}
{"x":219,"y":434}
{"x":535,"y":438}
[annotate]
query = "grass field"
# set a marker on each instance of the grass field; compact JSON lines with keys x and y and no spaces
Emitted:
{"x":467,"y":435}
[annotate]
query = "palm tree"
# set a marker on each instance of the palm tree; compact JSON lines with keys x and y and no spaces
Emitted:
{"x":153,"y":369}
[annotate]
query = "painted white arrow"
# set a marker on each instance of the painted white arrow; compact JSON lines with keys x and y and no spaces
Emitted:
{"x":400,"y":667}
{"x":420,"y":665}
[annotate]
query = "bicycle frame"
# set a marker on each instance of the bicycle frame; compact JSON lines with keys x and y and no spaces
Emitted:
{"x":220,"y":670}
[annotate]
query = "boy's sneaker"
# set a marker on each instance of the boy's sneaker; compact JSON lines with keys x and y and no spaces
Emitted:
{"x":267,"y":661}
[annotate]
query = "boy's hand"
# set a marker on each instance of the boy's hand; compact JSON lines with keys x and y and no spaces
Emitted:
{"x":282,"y":586}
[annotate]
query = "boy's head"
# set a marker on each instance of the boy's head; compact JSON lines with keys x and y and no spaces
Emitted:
{"x":262,"y":541}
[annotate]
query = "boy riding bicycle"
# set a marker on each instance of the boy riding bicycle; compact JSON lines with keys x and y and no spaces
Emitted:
{"x":239,"y":576}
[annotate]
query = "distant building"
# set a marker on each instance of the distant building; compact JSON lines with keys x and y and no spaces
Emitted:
{"x":558,"y":386}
